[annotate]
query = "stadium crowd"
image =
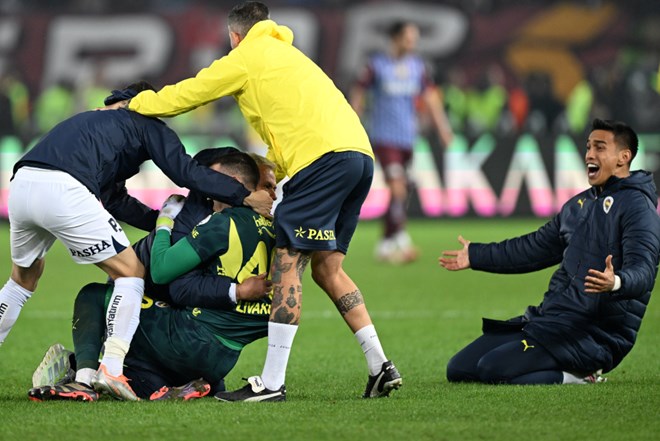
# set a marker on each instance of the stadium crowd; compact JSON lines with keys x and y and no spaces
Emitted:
{"x":626,"y":92}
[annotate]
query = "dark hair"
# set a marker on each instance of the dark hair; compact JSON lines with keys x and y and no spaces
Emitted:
{"x":397,"y":28}
{"x":212,"y":155}
{"x":242,"y":17}
{"x":129,"y":92}
{"x":624,"y":135}
{"x":243,"y":165}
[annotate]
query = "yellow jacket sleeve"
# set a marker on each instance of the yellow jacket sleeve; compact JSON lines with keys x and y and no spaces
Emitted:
{"x":223,"y":77}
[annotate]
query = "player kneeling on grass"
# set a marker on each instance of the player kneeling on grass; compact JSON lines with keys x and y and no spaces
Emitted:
{"x":606,"y":241}
{"x":180,"y":345}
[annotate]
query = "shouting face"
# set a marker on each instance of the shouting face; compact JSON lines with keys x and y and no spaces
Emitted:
{"x":604,"y":158}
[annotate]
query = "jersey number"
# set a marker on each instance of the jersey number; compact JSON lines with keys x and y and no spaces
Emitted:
{"x":232,"y":261}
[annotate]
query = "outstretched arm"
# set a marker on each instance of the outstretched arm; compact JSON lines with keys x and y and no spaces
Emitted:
{"x":458,"y":259}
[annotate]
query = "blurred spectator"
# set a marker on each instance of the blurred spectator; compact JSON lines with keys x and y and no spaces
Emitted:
{"x":518,"y":107}
{"x":642,"y":103}
{"x":92,"y":90}
{"x":455,"y":99}
{"x":7,"y":127}
{"x":578,"y":107}
{"x":15,"y":90}
{"x":486,"y":101}
{"x":545,"y":107}
{"x":56,"y":103}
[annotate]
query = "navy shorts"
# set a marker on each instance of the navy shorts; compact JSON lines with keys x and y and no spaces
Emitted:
{"x":321,"y":204}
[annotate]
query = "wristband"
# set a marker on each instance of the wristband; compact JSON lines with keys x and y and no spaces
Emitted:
{"x":164,"y":223}
{"x":232,"y":293}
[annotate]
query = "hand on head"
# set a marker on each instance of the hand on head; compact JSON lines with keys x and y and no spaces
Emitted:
{"x":261,"y":202}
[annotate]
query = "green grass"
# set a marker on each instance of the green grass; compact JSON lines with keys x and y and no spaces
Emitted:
{"x":423,"y":314}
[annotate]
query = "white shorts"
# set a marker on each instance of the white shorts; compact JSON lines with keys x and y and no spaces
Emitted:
{"x":45,"y":205}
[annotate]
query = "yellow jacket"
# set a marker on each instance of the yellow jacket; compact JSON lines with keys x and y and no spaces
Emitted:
{"x":293,"y":105}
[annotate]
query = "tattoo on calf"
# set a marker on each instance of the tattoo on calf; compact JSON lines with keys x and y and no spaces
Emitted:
{"x":278,"y":297}
{"x":291,"y":301}
{"x":349,"y":301}
{"x":282,"y":315}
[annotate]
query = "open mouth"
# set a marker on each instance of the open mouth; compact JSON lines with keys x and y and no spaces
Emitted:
{"x":592,"y":170}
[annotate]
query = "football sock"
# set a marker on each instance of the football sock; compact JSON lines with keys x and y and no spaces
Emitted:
{"x":12,"y":298}
{"x":280,"y":340}
{"x":114,"y":352}
{"x":572,"y":379}
{"x":396,"y":217}
{"x":373,"y":351}
{"x":403,"y":239}
{"x":122,"y":319}
{"x":84,"y":376}
{"x":88,"y":324}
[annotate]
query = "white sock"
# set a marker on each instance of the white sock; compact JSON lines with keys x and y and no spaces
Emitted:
{"x":114,"y":352}
{"x":280,"y":340}
{"x":572,"y":379}
{"x":85,"y":375}
{"x":373,"y":351}
{"x":122,"y":319}
{"x":12,"y":298}
{"x":403,"y":239}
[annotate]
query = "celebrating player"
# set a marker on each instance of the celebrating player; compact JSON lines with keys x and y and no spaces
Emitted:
{"x":213,"y":321}
{"x":606,"y":241}
{"x":55,"y":194}
{"x":316,"y":139}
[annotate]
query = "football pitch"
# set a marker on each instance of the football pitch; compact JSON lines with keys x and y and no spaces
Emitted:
{"x":423,"y":314}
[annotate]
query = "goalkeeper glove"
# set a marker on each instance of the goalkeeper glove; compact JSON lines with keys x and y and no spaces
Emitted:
{"x":170,"y":209}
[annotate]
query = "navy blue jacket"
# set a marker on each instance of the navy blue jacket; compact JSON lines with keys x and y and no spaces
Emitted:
{"x":102,"y":149}
{"x":197,"y":288}
{"x":586,"y":332}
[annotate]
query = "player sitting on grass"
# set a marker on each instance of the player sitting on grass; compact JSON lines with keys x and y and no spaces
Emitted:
{"x":606,"y":241}
{"x":175,"y":346}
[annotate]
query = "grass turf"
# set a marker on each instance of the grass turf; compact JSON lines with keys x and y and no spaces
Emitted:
{"x":423,"y":314}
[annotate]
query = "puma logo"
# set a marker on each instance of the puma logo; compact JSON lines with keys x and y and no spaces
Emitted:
{"x":524,"y":342}
{"x":581,"y":202}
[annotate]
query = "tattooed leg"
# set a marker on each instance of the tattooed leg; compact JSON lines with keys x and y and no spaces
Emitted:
{"x":349,"y":301}
{"x":287,"y":270}
{"x":328,"y":273}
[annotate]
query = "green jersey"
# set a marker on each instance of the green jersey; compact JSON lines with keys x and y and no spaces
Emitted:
{"x":236,"y":243}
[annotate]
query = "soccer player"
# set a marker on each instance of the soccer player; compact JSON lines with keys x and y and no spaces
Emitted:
{"x":70,"y":187}
{"x":606,"y":241}
{"x":180,"y":345}
{"x":394,"y":80}
{"x":317,"y":140}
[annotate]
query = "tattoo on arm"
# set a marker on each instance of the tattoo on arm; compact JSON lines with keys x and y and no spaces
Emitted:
{"x":349,"y":301}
